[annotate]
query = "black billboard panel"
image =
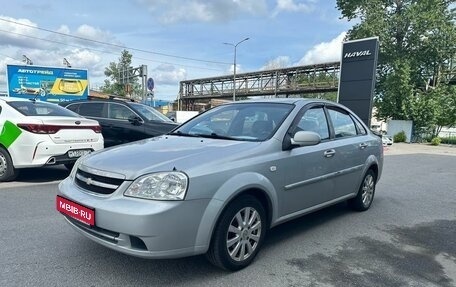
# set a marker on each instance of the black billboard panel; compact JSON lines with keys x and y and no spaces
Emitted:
{"x":357,"y":76}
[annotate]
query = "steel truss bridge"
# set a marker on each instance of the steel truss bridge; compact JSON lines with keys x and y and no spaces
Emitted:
{"x":318,"y":78}
{"x":283,"y":82}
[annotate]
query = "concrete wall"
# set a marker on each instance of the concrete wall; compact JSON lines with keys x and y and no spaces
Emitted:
{"x":396,"y":126}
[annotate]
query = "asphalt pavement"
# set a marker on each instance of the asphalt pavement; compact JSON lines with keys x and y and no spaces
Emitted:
{"x":405,"y":239}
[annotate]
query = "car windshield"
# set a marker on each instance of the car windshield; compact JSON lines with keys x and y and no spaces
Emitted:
{"x":150,"y":113}
{"x":36,"y":108}
{"x":239,"y":121}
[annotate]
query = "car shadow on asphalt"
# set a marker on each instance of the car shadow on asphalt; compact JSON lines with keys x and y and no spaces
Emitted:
{"x":42,"y":174}
{"x":191,"y":270}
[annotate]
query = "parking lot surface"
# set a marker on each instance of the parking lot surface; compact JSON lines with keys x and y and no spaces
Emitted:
{"x":405,"y":239}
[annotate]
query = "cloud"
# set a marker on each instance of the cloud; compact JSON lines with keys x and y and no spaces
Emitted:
{"x":277,"y":63}
{"x":324,"y":52}
{"x":166,"y":74}
{"x":174,"y":11}
{"x":22,"y":38}
{"x":11,"y":34}
{"x":293,"y":6}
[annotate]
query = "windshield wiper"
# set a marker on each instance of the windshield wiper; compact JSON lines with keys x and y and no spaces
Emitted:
{"x":179,"y":133}
{"x":216,"y":136}
{"x":211,"y":135}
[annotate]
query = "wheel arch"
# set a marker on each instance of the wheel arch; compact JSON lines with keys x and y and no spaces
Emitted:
{"x":265,"y":194}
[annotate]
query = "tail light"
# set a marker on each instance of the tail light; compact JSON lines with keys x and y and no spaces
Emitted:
{"x":52,"y":129}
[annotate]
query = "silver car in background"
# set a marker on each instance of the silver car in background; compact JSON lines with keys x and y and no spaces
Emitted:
{"x":217,"y":183}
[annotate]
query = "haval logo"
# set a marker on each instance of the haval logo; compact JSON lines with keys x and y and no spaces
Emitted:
{"x":357,"y":54}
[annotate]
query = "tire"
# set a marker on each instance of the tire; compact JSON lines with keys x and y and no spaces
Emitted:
{"x":366,"y":192}
{"x":232,"y":235}
{"x":7,"y":170}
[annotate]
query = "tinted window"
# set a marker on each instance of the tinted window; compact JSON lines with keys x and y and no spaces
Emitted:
{"x":343,"y":123}
{"x":74,"y":108}
{"x":92,"y":110}
{"x":150,"y":113}
{"x":314,"y":120}
{"x":30,"y":108}
{"x":120,"y":112}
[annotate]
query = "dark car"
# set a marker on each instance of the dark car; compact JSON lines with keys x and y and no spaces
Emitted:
{"x":122,"y":121}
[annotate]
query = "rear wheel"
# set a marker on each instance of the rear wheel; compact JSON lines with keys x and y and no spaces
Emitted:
{"x":7,"y":170}
{"x":239,"y":234}
{"x":365,"y":196}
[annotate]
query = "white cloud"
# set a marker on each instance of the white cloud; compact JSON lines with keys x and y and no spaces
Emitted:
{"x":277,"y":63}
{"x":166,"y":74}
{"x":324,"y":52}
{"x":293,"y":6}
{"x":13,"y":34}
{"x":173,"y":11}
{"x":54,"y":47}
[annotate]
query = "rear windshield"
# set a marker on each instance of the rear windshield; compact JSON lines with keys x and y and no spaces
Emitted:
{"x":31,"y":108}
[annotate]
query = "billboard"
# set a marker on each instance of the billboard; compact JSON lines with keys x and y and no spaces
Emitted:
{"x":51,"y":84}
{"x":357,"y":76}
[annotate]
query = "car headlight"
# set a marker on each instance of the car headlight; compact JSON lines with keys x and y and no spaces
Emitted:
{"x":159,"y":186}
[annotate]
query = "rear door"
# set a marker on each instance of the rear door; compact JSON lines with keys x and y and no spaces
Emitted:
{"x":350,"y":146}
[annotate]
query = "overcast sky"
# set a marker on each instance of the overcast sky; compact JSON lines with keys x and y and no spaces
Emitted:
{"x":176,"y":39}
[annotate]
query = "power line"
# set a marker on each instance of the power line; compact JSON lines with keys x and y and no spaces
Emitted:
{"x":105,"y":52}
{"x":114,"y":45}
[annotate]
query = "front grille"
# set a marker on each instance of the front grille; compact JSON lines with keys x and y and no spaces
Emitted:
{"x":97,"y":183}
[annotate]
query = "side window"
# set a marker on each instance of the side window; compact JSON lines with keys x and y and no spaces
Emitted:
{"x":74,"y":108}
{"x":361,"y":129}
{"x":119,"y":112}
{"x":343,"y":123}
{"x":91,"y":109}
{"x":314,"y":120}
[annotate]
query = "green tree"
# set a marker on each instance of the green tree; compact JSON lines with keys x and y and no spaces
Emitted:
{"x":417,"y":38}
{"x":118,"y":79}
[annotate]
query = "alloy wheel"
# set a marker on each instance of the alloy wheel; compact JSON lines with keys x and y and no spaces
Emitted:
{"x":243,"y":234}
{"x":368,"y":189}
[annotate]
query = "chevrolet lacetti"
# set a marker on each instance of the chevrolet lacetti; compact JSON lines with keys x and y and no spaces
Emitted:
{"x":218,"y":182}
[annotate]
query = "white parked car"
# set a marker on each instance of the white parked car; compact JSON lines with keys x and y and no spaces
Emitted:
{"x":387,"y":140}
{"x":34,"y":134}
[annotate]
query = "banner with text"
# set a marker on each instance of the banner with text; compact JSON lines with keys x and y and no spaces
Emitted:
{"x":51,"y":84}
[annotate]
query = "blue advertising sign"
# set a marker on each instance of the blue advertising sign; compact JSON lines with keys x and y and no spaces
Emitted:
{"x":51,"y":84}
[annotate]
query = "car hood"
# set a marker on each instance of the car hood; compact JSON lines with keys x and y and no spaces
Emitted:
{"x":166,"y":153}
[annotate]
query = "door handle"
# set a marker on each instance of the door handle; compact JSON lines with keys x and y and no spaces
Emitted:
{"x":329,"y":153}
{"x":362,"y":145}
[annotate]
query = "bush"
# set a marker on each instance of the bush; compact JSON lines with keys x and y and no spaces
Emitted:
{"x":436,"y":141}
{"x":400,"y":137}
{"x":448,"y":140}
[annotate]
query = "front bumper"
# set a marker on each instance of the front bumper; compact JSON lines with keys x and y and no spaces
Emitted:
{"x":145,"y":228}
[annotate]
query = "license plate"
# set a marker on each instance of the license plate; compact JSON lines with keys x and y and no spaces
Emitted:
{"x":74,"y":210}
{"x":78,"y":152}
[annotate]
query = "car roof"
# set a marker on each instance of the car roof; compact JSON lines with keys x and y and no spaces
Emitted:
{"x":288,"y":101}
{"x":13,"y":99}
{"x":116,"y":100}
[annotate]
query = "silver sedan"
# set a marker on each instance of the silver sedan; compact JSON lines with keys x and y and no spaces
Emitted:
{"x":218,"y":182}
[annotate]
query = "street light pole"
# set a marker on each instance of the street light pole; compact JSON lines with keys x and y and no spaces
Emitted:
{"x":234,"y":68}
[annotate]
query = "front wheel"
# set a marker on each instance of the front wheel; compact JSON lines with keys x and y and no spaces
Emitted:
{"x":7,"y":170}
{"x":239,"y":234}
{"x":365,"y":196}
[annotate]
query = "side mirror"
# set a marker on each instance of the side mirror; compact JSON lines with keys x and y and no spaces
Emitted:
{"x":305,"y":138}
{"x":135,"y":120}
